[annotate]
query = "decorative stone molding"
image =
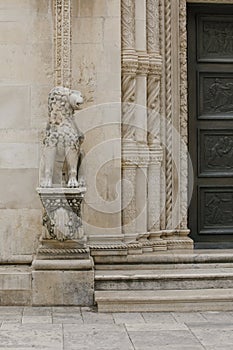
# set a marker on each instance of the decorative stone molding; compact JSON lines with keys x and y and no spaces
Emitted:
{"x":128,"y":24}
{"x":155,"y":65}
{"x":129,"y":62}
{"x":129,"y":167}
{"x":143,"y":156}
{"x":212,"y":1}
{"x":143,"y":63}
{"x":168,"y":111}
{"x":62,"y":43}
{"x":154,"y":171}
{"x":152,"y":14}
{"x":183,"y":116}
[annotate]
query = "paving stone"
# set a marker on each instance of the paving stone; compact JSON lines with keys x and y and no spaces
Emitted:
{"x":128,"y":318}
{"x":11,"y":318}
{"x":37,"y":311}
{"x":215,"y":316}
{"x":68,"y":318}
{"x":213,"y":334}
{"x":158,"y":317}
{"x":183,"y":317}
{"x":94,"y":317}
{"x":37,"y":319}
{"x":96,"y":337}
{"x":49,"y":337}
{"x":150,"y":327}
{"x":66,"y":309}
{"x":147,"y":340}
{"x":11,"y":310}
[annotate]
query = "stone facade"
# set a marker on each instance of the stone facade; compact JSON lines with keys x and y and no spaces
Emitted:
{"x":128,"y":57}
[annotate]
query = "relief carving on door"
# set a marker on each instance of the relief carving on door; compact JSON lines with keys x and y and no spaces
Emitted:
{"x":217,"y":38}
{"x":218,"y":209}
{"x":217,"y":155}
{"x":216,"y":94}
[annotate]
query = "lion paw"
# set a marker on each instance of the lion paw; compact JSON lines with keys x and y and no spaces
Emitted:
{"x":72,"y":182}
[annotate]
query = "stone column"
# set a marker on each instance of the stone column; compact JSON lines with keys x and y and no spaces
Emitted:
{"x":129,"y":146}
{"x":62,"y":43}
{"x":175,"y":80}
{"x":183,"y":178}
{"x":153,"y":122}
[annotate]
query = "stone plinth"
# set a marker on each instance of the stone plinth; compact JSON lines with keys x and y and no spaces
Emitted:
{"x":63,"y":269}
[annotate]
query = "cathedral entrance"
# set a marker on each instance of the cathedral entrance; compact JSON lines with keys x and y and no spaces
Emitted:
{"x":210,"y":90}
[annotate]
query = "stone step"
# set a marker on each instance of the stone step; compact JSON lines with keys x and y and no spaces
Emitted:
{"x":168,"y":258}
{"x":163,"y":279}
{"x":165,"y":300}
{"x":174,"y":266}
{"x":15,"y":285}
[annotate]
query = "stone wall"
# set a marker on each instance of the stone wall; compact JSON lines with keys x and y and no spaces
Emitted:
{"x":96,"y":71}
{"x":27,"y":73}
{"x":26,"y":76}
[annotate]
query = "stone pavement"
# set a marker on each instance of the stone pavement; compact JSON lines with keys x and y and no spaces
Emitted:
{"x":74,"y":328}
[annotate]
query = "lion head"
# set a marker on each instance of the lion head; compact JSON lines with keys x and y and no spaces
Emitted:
{"x":62,"y":103}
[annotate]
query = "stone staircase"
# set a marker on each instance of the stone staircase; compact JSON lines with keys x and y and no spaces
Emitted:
{"x":177,"y":281}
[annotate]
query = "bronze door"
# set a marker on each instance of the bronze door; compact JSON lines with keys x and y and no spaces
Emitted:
{"x":210,"y":94}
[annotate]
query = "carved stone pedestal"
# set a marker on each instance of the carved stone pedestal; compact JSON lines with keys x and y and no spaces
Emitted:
{"x":63,"y":268}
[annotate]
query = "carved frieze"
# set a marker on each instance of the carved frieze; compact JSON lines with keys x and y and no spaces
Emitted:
{"x":62,"y":41}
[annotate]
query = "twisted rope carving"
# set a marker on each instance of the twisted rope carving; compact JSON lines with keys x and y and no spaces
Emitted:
{"x":183,"y":114}
{"x":153,"y":103}
{"x":112,"y":246}
{"x":153,"y":26}
{"x":63,"y":251}
{"x":168,"y":114}
{"x":162,"y":125}
{"x":128,"y":97}
{"x":128,"y":23}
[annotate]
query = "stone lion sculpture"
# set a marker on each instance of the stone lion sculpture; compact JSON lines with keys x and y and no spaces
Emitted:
{"x":62,"y":135}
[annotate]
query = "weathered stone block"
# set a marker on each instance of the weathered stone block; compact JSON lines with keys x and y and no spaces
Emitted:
{"x":14,"y":105}
{"x":63,"y":287}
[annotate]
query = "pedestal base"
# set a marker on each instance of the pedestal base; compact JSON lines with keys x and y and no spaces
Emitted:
{"x":63,"y":282}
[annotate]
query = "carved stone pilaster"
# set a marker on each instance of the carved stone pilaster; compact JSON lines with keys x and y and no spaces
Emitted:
{"x":183,"y":116}
{"x":62,"y":43}
{"x":128,"y":24}
{"x":168,"y":111}
{"x":129,"y":170}
{"x":152,"y":13}
{"x":154,"y":169}
{"x":129,"y":68}
{"x":153,"y":99}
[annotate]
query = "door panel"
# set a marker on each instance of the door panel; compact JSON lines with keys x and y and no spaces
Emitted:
{"x":210,"y":91}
